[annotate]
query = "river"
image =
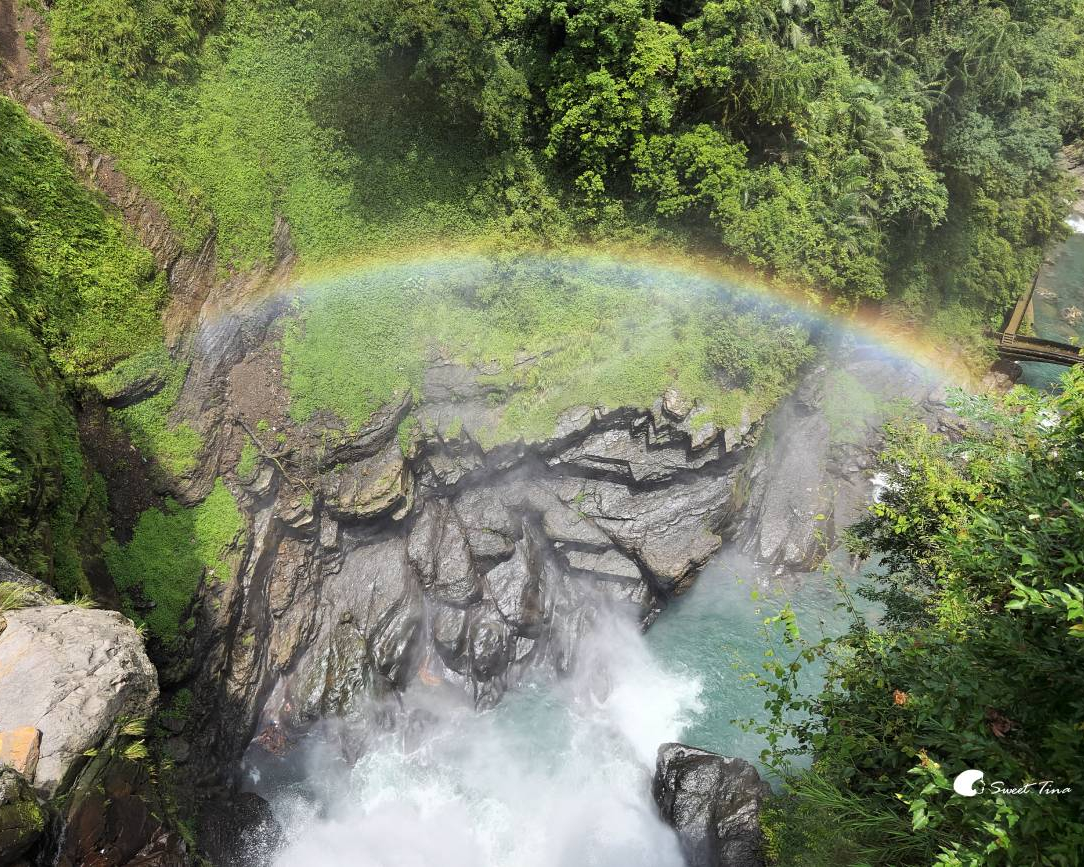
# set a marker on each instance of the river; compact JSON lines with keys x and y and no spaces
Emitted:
{"x":559,"y":774}
{"x":1060,"y":288}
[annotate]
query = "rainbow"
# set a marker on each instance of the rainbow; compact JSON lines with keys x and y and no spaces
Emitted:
{"x":658,"y":266}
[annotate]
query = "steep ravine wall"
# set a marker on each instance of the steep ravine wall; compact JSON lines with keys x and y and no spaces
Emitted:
{"x":372,"y":562}
{"x":367,"y":568}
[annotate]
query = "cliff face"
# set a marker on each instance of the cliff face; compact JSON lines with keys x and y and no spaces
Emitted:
{"x":376,"y":559}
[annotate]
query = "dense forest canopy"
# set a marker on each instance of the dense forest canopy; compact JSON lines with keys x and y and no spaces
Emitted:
{"x":859,"y":148}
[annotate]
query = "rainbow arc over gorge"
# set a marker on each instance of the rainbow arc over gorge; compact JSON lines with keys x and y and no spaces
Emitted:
{"x":655,"y":268}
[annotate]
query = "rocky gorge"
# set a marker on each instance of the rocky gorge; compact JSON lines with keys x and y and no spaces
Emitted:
{"x":372,"y":566}
{"x":373,"y":563}
{"x":391,"y":557}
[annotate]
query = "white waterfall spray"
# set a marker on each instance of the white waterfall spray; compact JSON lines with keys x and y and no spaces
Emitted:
{"x":557,"y":776}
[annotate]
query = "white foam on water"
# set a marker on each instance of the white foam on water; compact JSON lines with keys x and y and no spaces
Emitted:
{"x":559,"y":775}
{"x":1076,"y":223}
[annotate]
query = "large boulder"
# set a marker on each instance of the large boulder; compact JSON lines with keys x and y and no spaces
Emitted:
{"x":713,"y":802}
{"x":72,"y":673}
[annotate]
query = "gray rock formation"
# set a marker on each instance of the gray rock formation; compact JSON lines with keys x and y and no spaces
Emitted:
{"x":484,"y":567}
{"x":71,"y":678}
{"x":713,"y":802}
{"x":811,"y":473}
{"x":71,"y":673}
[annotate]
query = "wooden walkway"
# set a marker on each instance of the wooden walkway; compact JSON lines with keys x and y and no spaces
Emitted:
{"x":1011,"y":344}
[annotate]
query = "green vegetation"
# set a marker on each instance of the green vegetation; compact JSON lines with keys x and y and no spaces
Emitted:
{"x":556,"y":337}
{"x":849,"y":407}
{"x":246,"y":464}
{"x":406,"y":432}
{"x":71,"y":274}
{"x":170,"y":552}
{"x":175,"y":446}
{"x":231,"y":135}
{"x":901,"y":151}
{"x":14,"y":596}
{"x":45,"y":487}
{"x":979,"y":661}
{"x":76,"y":295}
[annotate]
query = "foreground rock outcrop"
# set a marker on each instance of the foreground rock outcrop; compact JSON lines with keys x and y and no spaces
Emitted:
{"x":71,"y":673}
{"x":76,"y":688}
{"x":713,"y":802}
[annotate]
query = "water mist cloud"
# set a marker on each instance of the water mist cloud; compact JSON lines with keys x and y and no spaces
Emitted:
{"x":557,"y":776}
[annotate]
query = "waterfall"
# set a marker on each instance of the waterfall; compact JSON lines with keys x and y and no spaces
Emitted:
{"x":558,"y":774}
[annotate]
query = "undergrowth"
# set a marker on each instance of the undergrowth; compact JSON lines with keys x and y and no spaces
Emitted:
{"x":174,"y":445}
{"x":548,"y":338}
{"x":232,"y":142}
{"x":170,"y":553}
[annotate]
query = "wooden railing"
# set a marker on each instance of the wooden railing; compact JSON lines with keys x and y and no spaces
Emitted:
{"x":1011,"y":344}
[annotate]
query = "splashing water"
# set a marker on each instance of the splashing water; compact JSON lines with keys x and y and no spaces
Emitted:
{"x":557,"y":776}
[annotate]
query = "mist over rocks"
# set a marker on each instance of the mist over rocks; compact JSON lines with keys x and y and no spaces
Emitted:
{"x":389,"y":555}
{"x":453,"y":565}
{"x":395,"y":557}
{"x":809,"y":477}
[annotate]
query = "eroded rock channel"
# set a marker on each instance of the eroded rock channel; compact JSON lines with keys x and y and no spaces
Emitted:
{"x":374,"y":560}
{"x":394,"y":556}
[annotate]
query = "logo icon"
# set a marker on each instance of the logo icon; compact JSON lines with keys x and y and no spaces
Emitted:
{"x":965,"y":781}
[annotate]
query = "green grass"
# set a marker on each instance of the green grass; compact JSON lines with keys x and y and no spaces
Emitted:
{"x":408,"y":429}
{"x":600,"y":335}
{"x":14,"y":596}
{"x":77,"y":295}
{"x":236,"y":142}
{"x":77,"y":277}
{"x":175,"y":447}
{"x":170,"y":552}
{"x":246,"y":464}
{"x":51,"y":506}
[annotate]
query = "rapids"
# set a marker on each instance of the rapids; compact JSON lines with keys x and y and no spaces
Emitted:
{"x":558,"y":775}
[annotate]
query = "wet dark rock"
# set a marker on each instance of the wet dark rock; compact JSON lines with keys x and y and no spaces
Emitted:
{"x":713,"y":802}
{"x":470,"y":582}
{"x":22,"y":820}
{"x":811,"y":473}
{"x":114,"y":817}
{"x":380,"y":485}
{"x":1002,"y":376}
{"x":239,"y":831}
{"x":178,"y":749}
{"x":614,"y":453}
